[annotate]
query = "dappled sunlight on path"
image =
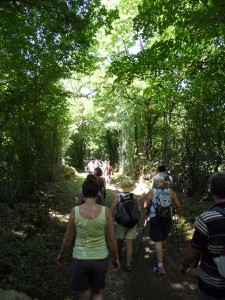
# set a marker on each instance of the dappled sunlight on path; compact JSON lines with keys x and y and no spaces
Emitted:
{"x":60,"y":217}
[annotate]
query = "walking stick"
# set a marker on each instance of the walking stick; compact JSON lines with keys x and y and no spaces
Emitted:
{"x":143,"y":231}
{"x":176,"y":230}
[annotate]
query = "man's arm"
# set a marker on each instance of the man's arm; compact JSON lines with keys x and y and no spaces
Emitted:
{"x":191,"y":255}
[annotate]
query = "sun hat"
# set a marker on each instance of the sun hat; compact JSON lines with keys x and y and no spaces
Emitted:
{"x":126,"y":186}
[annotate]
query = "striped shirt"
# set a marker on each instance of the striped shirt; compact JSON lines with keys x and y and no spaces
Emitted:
{"x":209,"y":236}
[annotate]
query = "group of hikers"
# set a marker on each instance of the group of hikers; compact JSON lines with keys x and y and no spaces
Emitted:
{"x":104,"y":165}
{"x":97,"y":239}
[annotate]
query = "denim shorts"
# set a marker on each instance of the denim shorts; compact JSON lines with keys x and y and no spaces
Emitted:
{"x":159,"y":229}
{"x":87,"y":274}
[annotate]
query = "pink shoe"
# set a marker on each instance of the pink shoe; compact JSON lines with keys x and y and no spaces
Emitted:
{"x":159,"y":270}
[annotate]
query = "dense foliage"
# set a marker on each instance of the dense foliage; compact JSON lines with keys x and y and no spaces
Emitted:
{"x":146,"y":85}
{"x":163,"y":88}
{"x":41,"y":43}
{"x":134,"y":82}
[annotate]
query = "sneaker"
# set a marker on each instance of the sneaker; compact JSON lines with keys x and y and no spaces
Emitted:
{"x":159,"y":270}
{"x":128,"y":268}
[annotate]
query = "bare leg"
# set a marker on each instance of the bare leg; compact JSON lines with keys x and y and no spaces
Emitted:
{"x":159,"y":252}
{"x":164,"y":244}
{"x":129,"y":251}
{"x":97,"y":295}
{"x":86,"y":295}
{"x":120,"y":246}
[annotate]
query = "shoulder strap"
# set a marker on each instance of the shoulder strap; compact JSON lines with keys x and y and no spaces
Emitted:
{"x":219,"y":209}
{"x":120,"y":197}
{"x":158,"y":191}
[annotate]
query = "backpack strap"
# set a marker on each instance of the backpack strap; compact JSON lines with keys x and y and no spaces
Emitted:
{"x":219,"y":210}
{"x":120,"y":196}
{"x":154,"y":190}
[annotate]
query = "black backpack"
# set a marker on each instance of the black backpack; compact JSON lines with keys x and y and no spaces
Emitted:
{"x":128,"y":214}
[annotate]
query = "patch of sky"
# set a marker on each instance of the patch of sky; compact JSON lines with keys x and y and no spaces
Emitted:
{"x":87,"y":91}
{"x":135,"y":49}
{"x":111,"y":4}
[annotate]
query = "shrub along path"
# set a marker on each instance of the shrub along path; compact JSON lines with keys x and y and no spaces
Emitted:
{"x":31,"y":236}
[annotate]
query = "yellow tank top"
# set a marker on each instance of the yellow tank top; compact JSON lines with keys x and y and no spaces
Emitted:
{"x":90,"y":242}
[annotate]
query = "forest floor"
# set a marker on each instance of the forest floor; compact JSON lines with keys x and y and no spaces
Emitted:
{"x":142,"y":283}
{"x":31,"y":237}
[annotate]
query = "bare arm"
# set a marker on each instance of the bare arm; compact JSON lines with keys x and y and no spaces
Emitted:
{"x":190,"y":255}
{"x":148,"y":199}
{"x":104,"y":186}
{"x":114,"y":204}
{"x":111,"y":240}
{"x":138,"y":203}
{"x":67,"y":239}
{"x":175,"y":200}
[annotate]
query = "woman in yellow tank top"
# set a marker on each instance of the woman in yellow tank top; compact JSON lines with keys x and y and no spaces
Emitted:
{"x":93,"y":226}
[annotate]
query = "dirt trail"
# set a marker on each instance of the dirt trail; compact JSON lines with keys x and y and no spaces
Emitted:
{"x":142,"y":283}
{"x":51,"y":281}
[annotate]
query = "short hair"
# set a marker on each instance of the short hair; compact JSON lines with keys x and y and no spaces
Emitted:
{"x":98,"y":171}
{"x":91,"y":176}
{"x":159,"y":181}
{"x":90,"y":187}
{"x":167,"y":184}
{"x":161,"y":168}
{"x":217,"y":184}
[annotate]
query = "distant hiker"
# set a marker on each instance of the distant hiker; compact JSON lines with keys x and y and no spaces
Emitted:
{"x":91,"y":167}
{"x":209,"y":241}
{"x":81,"y":199}
{"x":102,"y":190}
{"x":161,"y":172}
{"x":127,"y":217}
{"x":160,"y":218}
{"x":104,"y":164}
{"x":102,"y":186}
{"x":108,"y":171}
{"x":92,"y":226}
{"x":96,"y":163}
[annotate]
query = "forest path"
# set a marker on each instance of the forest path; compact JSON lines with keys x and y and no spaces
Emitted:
{"x":37,"y":274}
{"x":142,"y":283}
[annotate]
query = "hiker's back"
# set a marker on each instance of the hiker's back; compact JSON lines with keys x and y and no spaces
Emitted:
{"x":102,"y":186}
{"x":161,"y":203}
{"x":127,"y":217}
{"x":127,"y":212}
{"x":163,"y":173}
{"x":167,"y":178}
